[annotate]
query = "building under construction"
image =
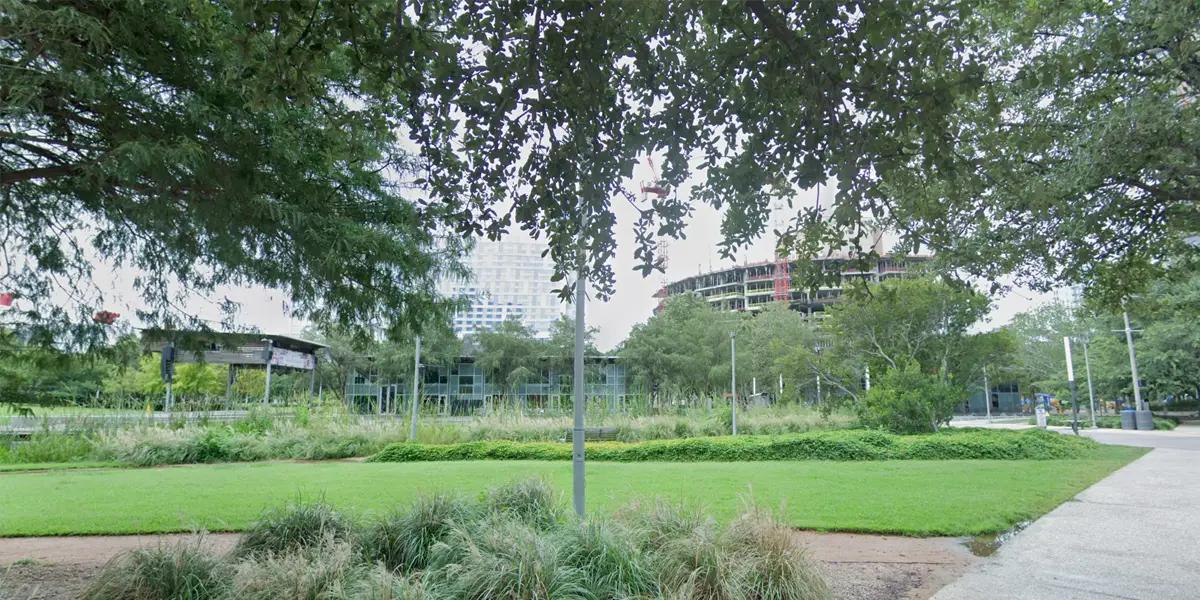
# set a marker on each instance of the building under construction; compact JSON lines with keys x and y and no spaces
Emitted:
{"x":752,"y":286}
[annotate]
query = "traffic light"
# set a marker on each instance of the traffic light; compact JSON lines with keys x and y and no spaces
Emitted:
{"x":167,"y":366}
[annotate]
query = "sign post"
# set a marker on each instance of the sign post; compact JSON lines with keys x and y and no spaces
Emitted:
{"x":1071,"y":384}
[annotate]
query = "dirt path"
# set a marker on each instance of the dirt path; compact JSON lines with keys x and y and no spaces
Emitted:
{"x":857,"y":567}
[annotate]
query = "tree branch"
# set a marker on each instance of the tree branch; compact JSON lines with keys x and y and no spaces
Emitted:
{"x":12,"y":177}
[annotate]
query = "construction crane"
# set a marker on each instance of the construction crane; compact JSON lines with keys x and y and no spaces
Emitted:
{"x":658,"y":187}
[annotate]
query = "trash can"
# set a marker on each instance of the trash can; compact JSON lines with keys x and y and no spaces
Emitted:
{"x":1128,"y":419}
{"x":1041,"y":416}
{"x":1145,"y":420}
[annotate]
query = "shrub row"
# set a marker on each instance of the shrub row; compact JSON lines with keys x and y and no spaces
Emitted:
{"x":826,"y":445}
{"x":516,"y":542}
{"x":1160,"y":423}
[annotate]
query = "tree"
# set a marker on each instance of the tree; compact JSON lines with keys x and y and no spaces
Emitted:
{"x":684,"y":349}
{"x":554,"y":102}
{"x":897,"y":322}
{"x":1039,"y":363}
{"x":509,"y":353}
{"x":907,"y":400}
{"x":206,"y":144}
{"x":1079,"y":160}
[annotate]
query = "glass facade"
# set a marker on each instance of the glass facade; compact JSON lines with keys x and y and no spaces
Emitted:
{"x":511,"y":279}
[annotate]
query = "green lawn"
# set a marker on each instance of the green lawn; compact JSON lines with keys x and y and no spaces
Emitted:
{"x":911,"y":497}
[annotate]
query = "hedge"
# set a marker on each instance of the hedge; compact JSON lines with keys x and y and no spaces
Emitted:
{"x":822,"y":445}
{"x":1161,"y":423}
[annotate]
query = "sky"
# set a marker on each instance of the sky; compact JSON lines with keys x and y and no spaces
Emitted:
{"x":266,"y":309}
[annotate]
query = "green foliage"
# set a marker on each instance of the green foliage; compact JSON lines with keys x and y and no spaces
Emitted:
{"x":185,"y":571}
{"x":608,"y":554}
{"x":401,"y":540}
{"x":206,"y":144}
{"x":298,"y":526}
{"x":1088,"y":119}
{"x":908,"y":401}
{"x":503,"y":558}
{"x":533,"y":501}
{"x":475,"y":552}
{"x":835,"y":445}
{"x":1160,"y":423}
{"x":320,"y":572}
{"x":684,"y":350}
{"x":47,"y":447}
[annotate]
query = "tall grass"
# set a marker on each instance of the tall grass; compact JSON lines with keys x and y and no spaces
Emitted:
{"x":331,"y":433}
{"x":184,"y":571}
{"x":401,"y":540}
{"x":506,"y":545}
{"x":295,"y":527}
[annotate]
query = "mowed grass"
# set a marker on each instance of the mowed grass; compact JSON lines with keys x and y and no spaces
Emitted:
{"x":907,"y":497}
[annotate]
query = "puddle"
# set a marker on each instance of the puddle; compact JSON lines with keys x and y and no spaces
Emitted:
{"x":986,"y":545}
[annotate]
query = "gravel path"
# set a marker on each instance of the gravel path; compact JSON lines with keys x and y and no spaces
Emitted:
{"x":857,"y":567}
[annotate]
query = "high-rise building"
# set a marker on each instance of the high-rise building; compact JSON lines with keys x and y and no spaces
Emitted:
{"x":751,"y":286}
{"x":510,"y":278}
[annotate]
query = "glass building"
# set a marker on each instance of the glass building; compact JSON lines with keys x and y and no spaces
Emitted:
{"x":510,"y":278}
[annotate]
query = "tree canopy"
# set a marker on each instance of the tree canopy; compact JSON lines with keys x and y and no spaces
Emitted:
{"x":206,"y":143}
{"x":202,"y":144}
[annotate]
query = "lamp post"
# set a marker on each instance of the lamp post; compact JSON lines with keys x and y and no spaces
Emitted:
{"x":412,"y":426}
{"x":1137,"y":390}
{"x":1071,"y":384}
{"x":817,"y":350}
{"x":579,"y":478}
{"x":1087,"y":364}
{"x":733,"y":378}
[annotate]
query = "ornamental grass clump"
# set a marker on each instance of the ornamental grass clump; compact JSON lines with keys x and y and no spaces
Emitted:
{"x":515,"y":542}
{"x":184,"y":571}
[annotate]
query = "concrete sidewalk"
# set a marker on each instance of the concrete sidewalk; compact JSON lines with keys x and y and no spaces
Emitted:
{"x":1135,"y":534}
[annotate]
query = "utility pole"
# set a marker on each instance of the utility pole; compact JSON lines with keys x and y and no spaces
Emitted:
{"x":579,"y":476}
{"x":1071,"y":384}
{"x":733,"y":378}
{"x":817,"y":349}
{"x":1087,"y":363}
{"x":987,"y":394}
{"x":269,"y":354}
{"x":412,"y":427}
{"x":1137,"y":390}
{"x":867,"y":375}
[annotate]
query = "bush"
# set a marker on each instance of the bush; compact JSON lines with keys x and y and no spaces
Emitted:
{"x":609,"y":557}
{"x":1161,"y":423}
{"x":530,"y":500}
{"x":48,"y":447}
{"x":402,"y":540}
{"x":319,"y":572}
{"x":499,"y":557}
{"x":909,"y":401}
{"x":292,"y":528}
{"x":181,"y":572}
{"x":951,"y":444}
{"x":476,"y":551}
{"x":774,"y":568}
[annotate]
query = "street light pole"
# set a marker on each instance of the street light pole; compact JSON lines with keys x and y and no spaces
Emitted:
{"x":1137,"y":390}
{"x":1087,"y":364}
{"x":577,"y":453}
{"x":987,"y":394}
{"x":1071,"y":384}
{"x":412,"y":427}
{"x":733,"y":378}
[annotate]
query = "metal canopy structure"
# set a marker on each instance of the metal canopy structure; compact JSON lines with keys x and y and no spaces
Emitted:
{"x":240,"y":349}
{"x":233,"y":349}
